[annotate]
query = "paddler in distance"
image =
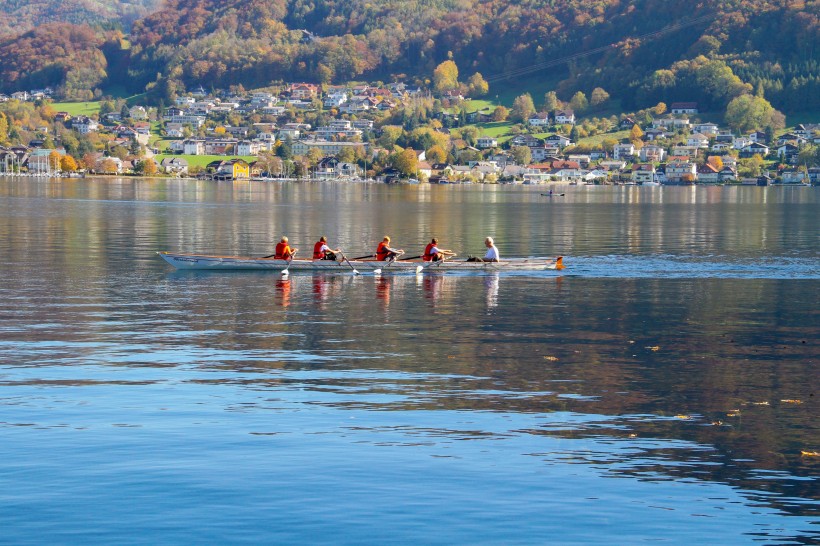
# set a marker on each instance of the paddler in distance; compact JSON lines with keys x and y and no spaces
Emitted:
{"x":385,"y":253}
{"x":432,"y":252}
{"x":323,"y":252}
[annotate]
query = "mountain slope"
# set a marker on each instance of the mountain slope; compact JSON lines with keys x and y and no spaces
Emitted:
{"x":641,"y":51}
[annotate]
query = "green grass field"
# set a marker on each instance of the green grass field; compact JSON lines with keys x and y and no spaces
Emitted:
{"x":77,"y":108}
{"x":202,"y":160}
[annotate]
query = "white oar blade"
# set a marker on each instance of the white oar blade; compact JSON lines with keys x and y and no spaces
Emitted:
{"x":377,"y":271}
{"x":419,"y":269}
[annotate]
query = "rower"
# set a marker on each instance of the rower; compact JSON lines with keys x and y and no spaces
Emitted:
{"x":385,"y":253}
{"x":432,"y":253}
{"x":284,"y":251}
{"x":491,"y":255}
{"x":323,"y":252}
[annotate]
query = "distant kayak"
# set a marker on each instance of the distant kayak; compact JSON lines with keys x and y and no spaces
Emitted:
{"x":553,"y":194}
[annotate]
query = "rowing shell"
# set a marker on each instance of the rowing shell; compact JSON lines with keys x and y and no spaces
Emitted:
{"x":230,"y":263}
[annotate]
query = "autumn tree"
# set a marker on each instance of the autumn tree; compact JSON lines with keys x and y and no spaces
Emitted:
{"x":54,"y":158}
{"x":523,"y":108}
{"x":406,"y":162}
{"x":551,"y":102}
{"x":579,"y":102}
{"x":4,"y":129}
{"x":68,"y":164}
{"x":715,"y":161}
{"x":636,"y":134}
{"x":436,"y":154}
{"x":108,"y":166}
{"x":501,"y":113}
{"x":314,"y":156}
{"x":149,"y":167}
{"x":477,"y":86}
{"x":598,"y":97}
{"x":445,"y":77}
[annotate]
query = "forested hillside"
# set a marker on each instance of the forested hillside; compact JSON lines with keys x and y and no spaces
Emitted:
{"x":640,"y":51}
{"x":23,"y":15}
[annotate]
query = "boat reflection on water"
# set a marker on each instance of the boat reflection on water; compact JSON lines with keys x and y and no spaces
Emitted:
{"x":283,"y":288}
{"x":491,"y":290}
{"x":383,"y":286}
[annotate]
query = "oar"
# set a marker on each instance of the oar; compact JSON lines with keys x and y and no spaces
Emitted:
{"x":389,"y":263}
{"x":410,"y":258}
{"x":355,"y":272}
{"x":363,"y":257}
{"x":285,"y":271}
{"x":420,"y":268}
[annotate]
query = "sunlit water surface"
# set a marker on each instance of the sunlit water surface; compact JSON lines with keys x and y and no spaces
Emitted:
{"x":663,"y":389}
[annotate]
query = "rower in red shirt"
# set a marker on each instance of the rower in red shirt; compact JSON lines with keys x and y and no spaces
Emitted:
{"x":284,"y":251}
{"x":432,"y":253}
{"x":385,"y":253}
{"x":323,"y":252}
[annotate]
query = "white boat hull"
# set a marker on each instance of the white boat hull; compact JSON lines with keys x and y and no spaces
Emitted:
{"x":232,"y":263}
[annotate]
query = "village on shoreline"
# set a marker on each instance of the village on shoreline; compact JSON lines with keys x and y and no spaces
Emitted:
{"x":396,"y":133}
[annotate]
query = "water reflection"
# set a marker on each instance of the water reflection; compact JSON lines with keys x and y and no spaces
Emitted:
{"x":665,"y":371}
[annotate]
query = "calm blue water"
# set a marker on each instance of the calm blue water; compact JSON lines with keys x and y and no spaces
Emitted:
{"x":662,"y":390}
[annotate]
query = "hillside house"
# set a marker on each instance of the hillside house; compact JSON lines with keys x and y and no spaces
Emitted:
{"x":485,"y":142}
{"x":681,"y":171}
{"x":540,"y":119}
{"x":623,"y":151}
{"x":174,"y":165}
{"x":752,"y":149}
{"x":684,"y":108}
{"x":698,"y":140}
{"x":559,"y":140}
{"x":643,"y":173}
{"x":652,"y":154}
{"x":565,"y":117}
{"x":707,"y":174}
{"x":193,"y":147}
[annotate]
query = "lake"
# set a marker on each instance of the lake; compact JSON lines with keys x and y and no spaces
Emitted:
{"x":663,"y":388}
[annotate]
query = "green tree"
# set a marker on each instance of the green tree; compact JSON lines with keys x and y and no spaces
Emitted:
{"x":551,"y":102}
{"x":314,"y":156}
{"x":579,"y":102}
{"x":522,"y":155}
{"x":390,"y":135}
{"x":523,"y":108}
{"x":747,"y":113}
{"x":445,"y":77}
{"x":285,"y":149}
{"x":346,"y":155}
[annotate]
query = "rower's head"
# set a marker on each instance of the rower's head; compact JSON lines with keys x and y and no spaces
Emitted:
{"x":322,"y":239}
{"x":284,"y":240}
{"x":386,"y":239}
{"x":488,"y":241}
{"x":434,"y":241}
